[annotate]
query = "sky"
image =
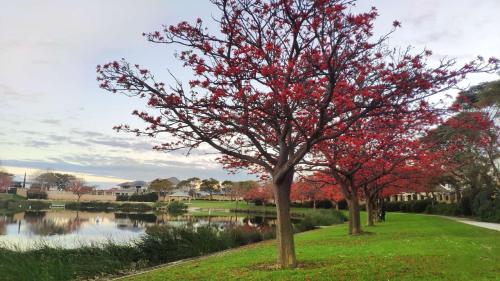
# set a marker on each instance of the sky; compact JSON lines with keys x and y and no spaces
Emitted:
{"x":53,"y":116}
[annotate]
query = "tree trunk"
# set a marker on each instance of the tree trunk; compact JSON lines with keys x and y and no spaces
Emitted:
{"x":314,"y":205}
{"x":370,"y":212}
{"x":458,"y":196}
{"x":284,"y":230}
{"x":354,"y":215}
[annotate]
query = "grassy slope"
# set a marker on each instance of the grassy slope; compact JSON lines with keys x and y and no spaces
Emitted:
{"x":406,"y":247}
{"x":5,"y":196}
{"x":242,"y":206}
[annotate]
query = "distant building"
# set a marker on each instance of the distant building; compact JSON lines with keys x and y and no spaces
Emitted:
{"x":178,"y":196}
{"x":16,"y":184}
{"x":131,"y":187}
{"x":440,"y":194}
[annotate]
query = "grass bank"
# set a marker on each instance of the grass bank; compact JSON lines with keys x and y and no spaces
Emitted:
{"x":405,"y":247}
{"x":230,"y":207}
{"x":159,"y":245}
{"x":11,"y":204}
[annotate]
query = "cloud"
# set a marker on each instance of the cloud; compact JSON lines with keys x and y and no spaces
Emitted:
{"x":51,"y":121}
{"x":8,"y":93}
{"x":122,"y":168}
{"x":419,"y":20}
{"x":84,"y":139}
{"x":439,"y":35}
{"x":141,"y":146}
{"x":90,"y":178}
{"x":38,"y":143}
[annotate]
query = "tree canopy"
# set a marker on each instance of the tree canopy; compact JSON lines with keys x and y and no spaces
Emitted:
{"x":161,"y":186}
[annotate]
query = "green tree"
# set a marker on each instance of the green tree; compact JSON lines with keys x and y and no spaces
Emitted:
{"x":187,"y":183}
{"x":485,"y":99}
{"x":49,"y":180}
{"x":209,"y":185}
{"x":161,"y":186}
{"x":470,"y":139}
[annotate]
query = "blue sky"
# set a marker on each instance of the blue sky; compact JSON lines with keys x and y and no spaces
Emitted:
{"x":54,"y":116}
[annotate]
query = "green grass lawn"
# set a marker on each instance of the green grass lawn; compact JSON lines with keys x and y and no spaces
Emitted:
{"x":406,"y":247}
{"x":5,"y":196}
{"x":231,"y":205}
{"x":207,"y":204}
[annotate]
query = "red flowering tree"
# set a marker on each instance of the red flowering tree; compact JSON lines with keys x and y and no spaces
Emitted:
{"x":78,"y":188}
{"x":468,"y":142}
{"x":5,"y":181}
{"x":259,"y":193}
{"x":332,"y":192}
{"x":372,"y":149}
{"x":411,"y":176}
{"x":304,"y":190}
{"x":278,"y":78}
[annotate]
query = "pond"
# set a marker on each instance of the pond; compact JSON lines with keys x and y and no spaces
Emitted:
{"x":70,"y":229}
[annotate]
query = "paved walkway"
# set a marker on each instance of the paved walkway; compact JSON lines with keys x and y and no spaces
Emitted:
{"x":489,"y":225}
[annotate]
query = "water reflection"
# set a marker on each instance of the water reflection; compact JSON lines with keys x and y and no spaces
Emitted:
{"x":72,"y":228}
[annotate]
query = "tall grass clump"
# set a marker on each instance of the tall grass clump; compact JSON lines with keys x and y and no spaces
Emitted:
{"x":319,"y":218}
{"x":46,"y":263}
{"x":176,"y":207}
{"x":163,"y":244}
{"x":108,"y":206}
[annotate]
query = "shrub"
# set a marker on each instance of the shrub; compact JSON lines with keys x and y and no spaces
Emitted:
{"x":35,"y":194}
{"x":444,"y":209}
{"x":146,"y":197}
{"x":243,"y":235}
{"x":176,"y":207}
{"x":258,"y":202}
{"x":324,"y":204}
{"x":91,"y":206}
{"x":486,"y":204}
{"x":146,"y":217}
{"x":416,"y":206}
{"x":38,"y":205}
{"x":122,"y":197}
{"x":465,"y":203}
{"x":342,"y":205}
{"x":108,"y":206}
{"x":132,"y":207}
{"x":319,"y":218}
{"x":320,"y":204}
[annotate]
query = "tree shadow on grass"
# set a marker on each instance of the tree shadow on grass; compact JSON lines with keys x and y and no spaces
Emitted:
{"x":363,"y":233}
{"x":266,"y":266}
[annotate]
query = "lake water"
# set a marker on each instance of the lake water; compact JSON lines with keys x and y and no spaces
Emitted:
{"x":71,"y":229}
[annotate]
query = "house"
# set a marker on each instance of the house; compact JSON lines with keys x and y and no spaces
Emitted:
{"x":16,"y":184}
{"x":440,"y":194}
{"x":131,"y":187}
{"x":178,"y":196}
